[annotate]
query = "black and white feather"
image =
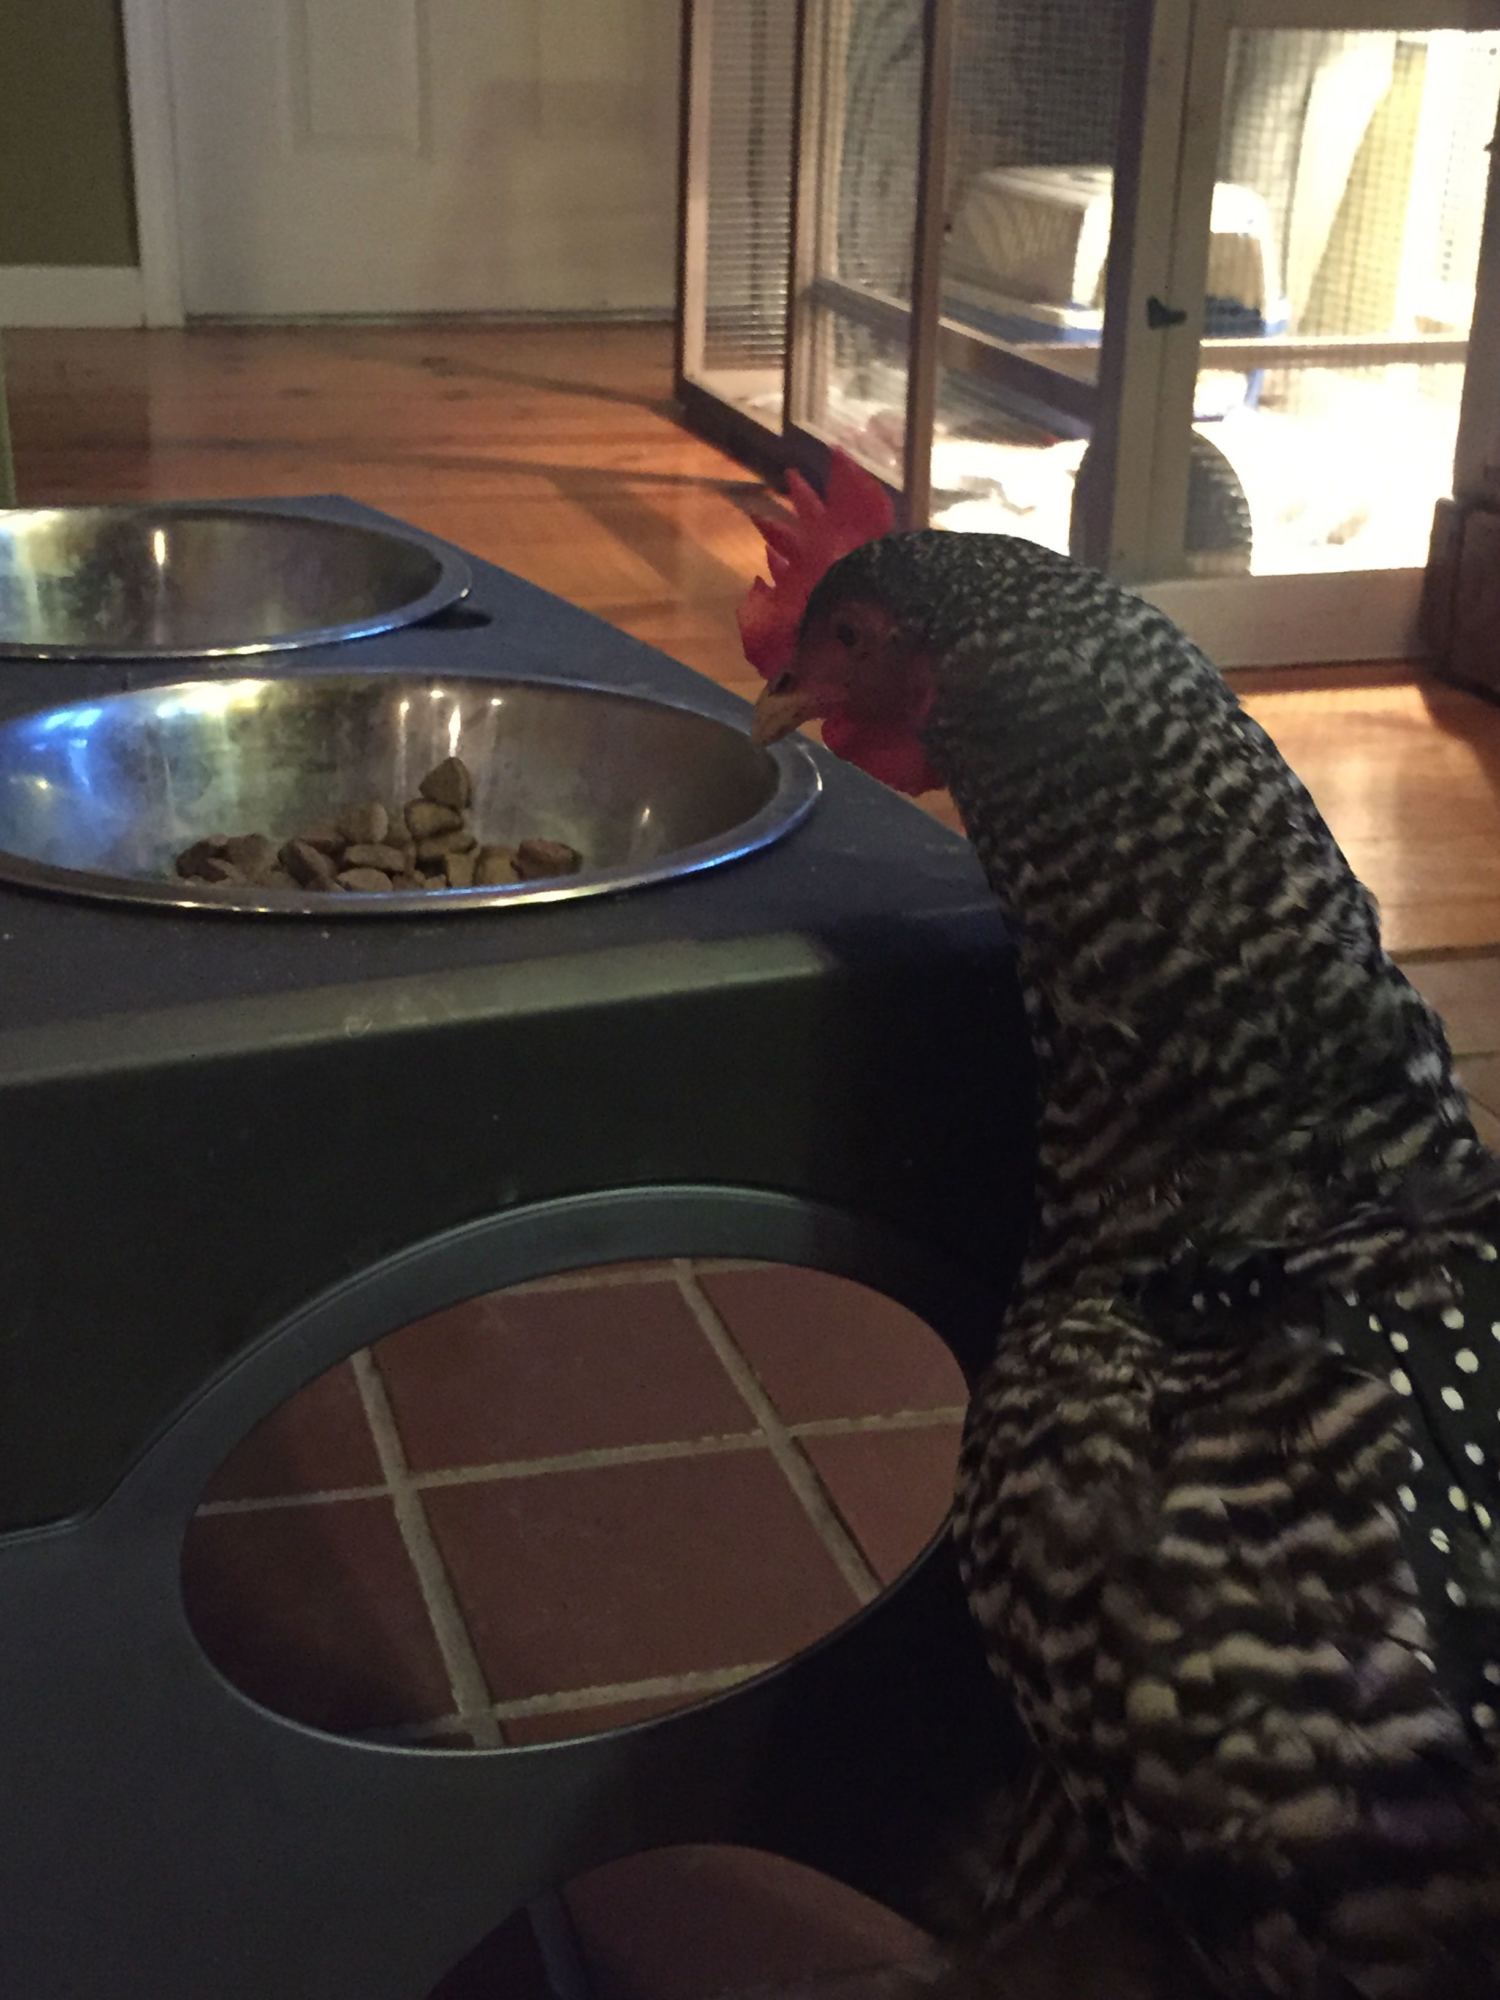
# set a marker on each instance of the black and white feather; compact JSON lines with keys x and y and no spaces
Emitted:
{"x":1228,"y":1490}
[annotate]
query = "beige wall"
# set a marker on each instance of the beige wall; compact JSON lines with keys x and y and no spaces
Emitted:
{"x":65,"y":174}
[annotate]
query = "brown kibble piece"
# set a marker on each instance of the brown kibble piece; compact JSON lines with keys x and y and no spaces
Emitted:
{"x":308,"y":864}
{"x":458,"y":840}
{"x":252,"y":853}
{"x":493,"y":867}
{"x":375,"y":854}
{"x":536,"y":858}
{"x":448,"y":784}
{"x":191,"y":860}
{"x":429,"y":843}
{"x":426,"y":819}
{"x":363,"y":821}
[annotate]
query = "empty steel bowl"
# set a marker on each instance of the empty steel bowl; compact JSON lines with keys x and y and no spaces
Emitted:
{"x":99,"y":797}
{"x":160,"y":581}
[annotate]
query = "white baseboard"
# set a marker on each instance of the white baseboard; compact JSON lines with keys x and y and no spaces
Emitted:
{"x":1293,"y":621}
{"x":71,"y":295}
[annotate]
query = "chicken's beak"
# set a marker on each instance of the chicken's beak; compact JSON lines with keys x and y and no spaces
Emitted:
{"x":779,"y":711}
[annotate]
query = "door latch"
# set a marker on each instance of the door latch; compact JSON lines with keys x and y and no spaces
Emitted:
{"x":1159,"y":315}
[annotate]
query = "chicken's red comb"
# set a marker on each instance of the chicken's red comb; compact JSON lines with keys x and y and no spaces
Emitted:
{"x":854,"y":509}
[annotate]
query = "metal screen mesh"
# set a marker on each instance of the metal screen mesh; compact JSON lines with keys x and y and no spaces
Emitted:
{"x":864,"y":219}
{"x":1459,"y":163}
{"x":752,"y":58}
{"x":1029,"y":202}
{"x":1351,"y":178}
{"x":1035,"y":84}
{"x":872,"y":128}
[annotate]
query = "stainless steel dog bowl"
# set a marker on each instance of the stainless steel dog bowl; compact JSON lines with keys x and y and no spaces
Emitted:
{"x":160,"y":581}
{"x":98,"y":798}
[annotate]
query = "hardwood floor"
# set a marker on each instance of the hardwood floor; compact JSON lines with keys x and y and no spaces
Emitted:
{"x":555,"y":452}
{"x":552,"y":451}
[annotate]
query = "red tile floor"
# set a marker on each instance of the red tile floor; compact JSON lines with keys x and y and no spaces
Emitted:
{"x":575,"y":1504}
{"x":570,"y":1506}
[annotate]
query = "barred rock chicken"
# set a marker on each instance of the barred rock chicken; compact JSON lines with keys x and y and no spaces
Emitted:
{"x":1227,"y":1493}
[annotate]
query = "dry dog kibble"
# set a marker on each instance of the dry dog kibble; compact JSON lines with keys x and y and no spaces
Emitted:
{"x":192,"y":859}
{"x":449,"y":784}
{"x":428,"y":844}
{"x":375,"y":854}
{"x":493,"y":867}
{"x":458,"y":840}
{"x":366,"y":820}
{"x":217,"y":869}
{"x":252,"y":853}
{"x":308,"y":865}
{"x":424,"y":819}
{"x":536,"y":858}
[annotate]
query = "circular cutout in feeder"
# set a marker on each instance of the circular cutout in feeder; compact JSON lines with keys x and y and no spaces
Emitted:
{"x":621,"y":1492}
{"x":100,"y":798}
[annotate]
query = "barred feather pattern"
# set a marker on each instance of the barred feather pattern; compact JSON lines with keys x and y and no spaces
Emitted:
{"x":1186,"y":1512}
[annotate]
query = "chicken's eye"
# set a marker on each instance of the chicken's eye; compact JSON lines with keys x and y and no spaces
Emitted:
{"x":846,"y":636}
{"x":784,"y":683}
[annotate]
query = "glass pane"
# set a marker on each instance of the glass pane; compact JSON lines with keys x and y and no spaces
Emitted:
{"x":863,"y":221}
{"x":1345,"y":243}
{"x":996,"y":473}
{"x":752,"y":59}
{"x":857,"y":389}
{"x":1035,"y":111}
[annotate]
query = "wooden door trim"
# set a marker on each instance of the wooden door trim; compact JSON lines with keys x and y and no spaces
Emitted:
{"x":153,"y":147}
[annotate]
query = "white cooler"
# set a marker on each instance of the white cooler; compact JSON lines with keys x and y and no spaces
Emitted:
{"x":1026,"y":255}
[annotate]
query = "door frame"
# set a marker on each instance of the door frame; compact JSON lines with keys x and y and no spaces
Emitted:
{"x":1274,"y":620}
{"x":146,"y":25}
{"x":918,"y":325}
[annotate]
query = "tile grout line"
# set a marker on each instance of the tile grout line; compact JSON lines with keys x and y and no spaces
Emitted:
{"x":601,"y":1458}
{"x":565,"y":1701}
{"x":466,"y":1679}
{"x":796,"y":1468}
{"x":606,"y":1277}
{"x":264,"y":1503}
{"x":701,"y":1680}
{"x":602,"y":1278}
{"x":937,"y":1416}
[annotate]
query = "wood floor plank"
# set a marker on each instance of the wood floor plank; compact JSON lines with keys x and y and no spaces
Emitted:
{"x":555,"y":452}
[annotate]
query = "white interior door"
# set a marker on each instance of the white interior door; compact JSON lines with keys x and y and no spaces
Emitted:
{"x":410,"y":156}
{"x":1320,"y":295}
